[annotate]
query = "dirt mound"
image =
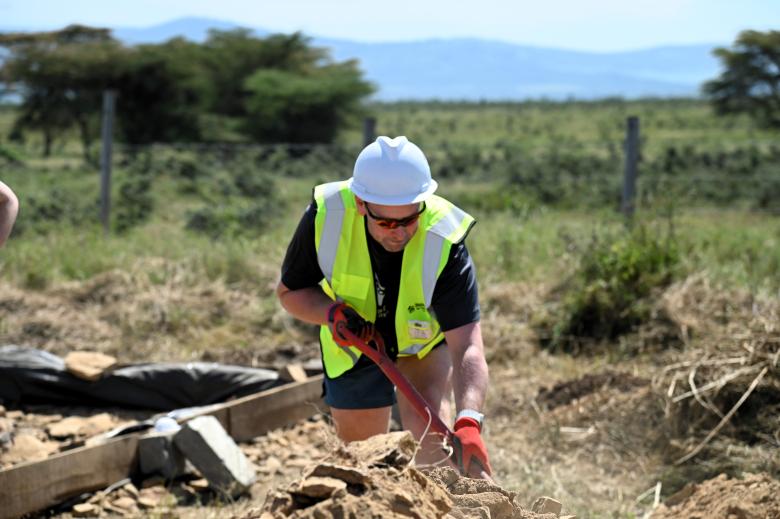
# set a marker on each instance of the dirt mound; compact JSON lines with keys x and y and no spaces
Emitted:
{"x":563,"y":393}
{"x":757,"y":496}
{"x":374,"y":478}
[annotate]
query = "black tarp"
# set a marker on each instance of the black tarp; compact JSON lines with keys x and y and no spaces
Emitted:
{"x":32,"y":376}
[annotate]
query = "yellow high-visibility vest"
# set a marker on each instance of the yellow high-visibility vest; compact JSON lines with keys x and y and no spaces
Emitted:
{"x":342,"y":253}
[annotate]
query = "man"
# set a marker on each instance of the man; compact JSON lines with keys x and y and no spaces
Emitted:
{"x":383,"y":255}
{"x":9,"y":208}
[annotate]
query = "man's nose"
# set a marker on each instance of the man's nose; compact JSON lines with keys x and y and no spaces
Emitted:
{"x":399,"y":232}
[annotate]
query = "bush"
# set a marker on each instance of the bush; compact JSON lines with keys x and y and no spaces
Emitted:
{"x":608,"y":294}
{"x":134,"y":204}
{"x":231,"y":221}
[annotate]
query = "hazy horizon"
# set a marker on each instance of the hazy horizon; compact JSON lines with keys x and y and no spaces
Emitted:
{"x":599,"y":26}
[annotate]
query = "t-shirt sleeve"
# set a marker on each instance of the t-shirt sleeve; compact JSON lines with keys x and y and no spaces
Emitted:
{"x":455,"y":297}
{"x":300,"y":268}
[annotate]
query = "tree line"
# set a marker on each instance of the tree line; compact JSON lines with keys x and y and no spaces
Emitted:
{"x":232,"y":86}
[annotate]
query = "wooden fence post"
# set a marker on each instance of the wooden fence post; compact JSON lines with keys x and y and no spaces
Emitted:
{"x":632,"y":158}
{"x":369,"y":130}
{"x":107,"y":133}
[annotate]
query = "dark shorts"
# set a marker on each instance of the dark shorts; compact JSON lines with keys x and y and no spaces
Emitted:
{"x":362,"y":387}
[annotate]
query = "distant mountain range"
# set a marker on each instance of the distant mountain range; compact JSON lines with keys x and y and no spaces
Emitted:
{"x":479,"y":69}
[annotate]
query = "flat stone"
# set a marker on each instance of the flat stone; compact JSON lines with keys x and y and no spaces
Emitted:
{"x":546,"y":505}
{"x":125,"y":503}
{"x":26,"y":447}
{"x":14,"y":415}
{"x":199,"y":485}
{"x":147,"y":502}
{"x":80,"y":426}
{"x":89,"y":365}
{"x":85,"y":510}
{"x":214,"y":453}
{"x":153,"y":497}
{"x":318,"y":487}
{"x":347,"y":474}
{"x":6,"y":425}
{"x":131,"y":490}
{"x":293,"y":373}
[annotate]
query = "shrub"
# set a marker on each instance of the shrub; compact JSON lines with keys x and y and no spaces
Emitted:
{"x":608,"y":294}
{"x":134,"y":204}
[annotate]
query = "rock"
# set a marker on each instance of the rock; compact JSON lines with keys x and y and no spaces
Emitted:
{"x":26,"y":447}
{"x":214,"y":453}
{"x":80,"y":426}
{"x":85,"y":510}
{"x":155,"y":496}
{"x":395,"y":449}
{"x":124,"y":503}
{"x":14,"y":415}
{"x":347,"y":474}
{"x":319,"y":488}
{"x":271,"y":465}
{"x":293,"y":373}
{"x":88,"y":365}
{"x":2,"y":411}
{"x":147,"y":502}
{"x":498,"y":504}
{"x":131,"y":490}
{"x":546,"y":505}
{"x":200,"y":485}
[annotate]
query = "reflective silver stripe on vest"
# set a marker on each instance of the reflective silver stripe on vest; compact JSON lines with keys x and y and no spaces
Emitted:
{"x":352,"y":354}
{"x":434,"y":242}
{"x":414,"y":349}
{"x":331,"y":232}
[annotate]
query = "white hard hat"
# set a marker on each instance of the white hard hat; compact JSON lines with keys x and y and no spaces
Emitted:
{"x":392,"y":172}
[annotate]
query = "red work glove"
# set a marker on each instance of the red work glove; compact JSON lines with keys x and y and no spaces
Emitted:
{"x":340,"y":314}
{"x":470,"y":449}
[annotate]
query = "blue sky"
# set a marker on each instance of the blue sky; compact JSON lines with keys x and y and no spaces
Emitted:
{"x":598,"y":25}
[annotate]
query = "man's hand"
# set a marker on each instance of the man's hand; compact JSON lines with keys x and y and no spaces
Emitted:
{"x":471,"y":450}
{"x":340,"y":314}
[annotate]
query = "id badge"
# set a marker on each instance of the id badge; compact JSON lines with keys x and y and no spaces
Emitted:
{"x":420,"y":330}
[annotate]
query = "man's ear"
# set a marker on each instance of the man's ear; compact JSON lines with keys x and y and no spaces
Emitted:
{"x":361,"y":206}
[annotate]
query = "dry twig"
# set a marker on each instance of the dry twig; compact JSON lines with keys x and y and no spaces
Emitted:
{"x":725,"y":419}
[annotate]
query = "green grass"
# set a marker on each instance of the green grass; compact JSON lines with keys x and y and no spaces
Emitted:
{"x":539,"y":177}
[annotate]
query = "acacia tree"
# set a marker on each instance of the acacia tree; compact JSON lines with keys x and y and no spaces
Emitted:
{"x":60,"y":75}
{"x":750,"y":82}
{"x":232,"y":56}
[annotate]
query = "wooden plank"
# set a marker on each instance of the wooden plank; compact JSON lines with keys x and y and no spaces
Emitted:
{"x":37,"y":485}
{"x":253,"y":415}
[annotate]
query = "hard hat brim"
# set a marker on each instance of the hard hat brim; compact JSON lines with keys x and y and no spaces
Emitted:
{"x":375,"y":198}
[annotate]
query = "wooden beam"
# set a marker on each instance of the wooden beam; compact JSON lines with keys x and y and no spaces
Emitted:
{"x":37,"y":485}
{"x":250,"y":417}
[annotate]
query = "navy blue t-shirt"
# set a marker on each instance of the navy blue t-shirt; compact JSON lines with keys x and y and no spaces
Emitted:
{"x":455,"y":299}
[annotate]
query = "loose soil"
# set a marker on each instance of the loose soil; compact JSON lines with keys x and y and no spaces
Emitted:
{"x":600,"y":434}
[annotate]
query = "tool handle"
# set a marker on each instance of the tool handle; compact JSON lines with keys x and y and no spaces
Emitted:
{"x":414,"y":397}
{"x":395,"y":376}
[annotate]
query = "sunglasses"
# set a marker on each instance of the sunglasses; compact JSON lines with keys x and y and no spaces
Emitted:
{"x":392,"y":223}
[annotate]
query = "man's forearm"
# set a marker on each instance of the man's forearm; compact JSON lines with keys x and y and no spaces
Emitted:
{"x":470,"y":379}
{"x":9,"y":208}
{"x":307,"y":304}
